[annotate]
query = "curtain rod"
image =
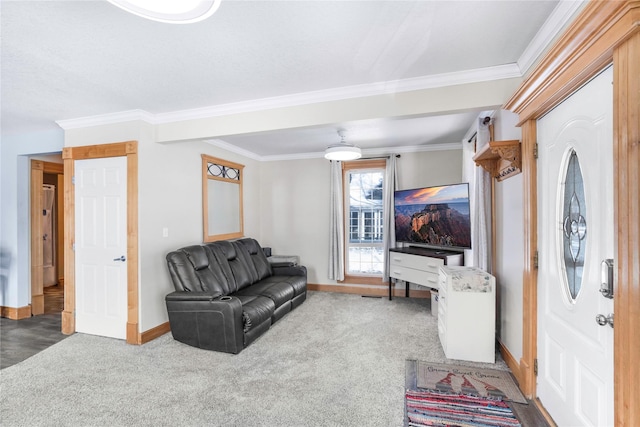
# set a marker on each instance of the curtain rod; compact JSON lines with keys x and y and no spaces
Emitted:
{"x":378,"y":157}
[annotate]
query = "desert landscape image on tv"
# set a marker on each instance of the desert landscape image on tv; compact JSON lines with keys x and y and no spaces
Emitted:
{"x":436,"y":216}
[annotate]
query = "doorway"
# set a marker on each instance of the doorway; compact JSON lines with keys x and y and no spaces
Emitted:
{"x":575,"y":235}
{"x":47,"y":231}
{"x":129,"y":150}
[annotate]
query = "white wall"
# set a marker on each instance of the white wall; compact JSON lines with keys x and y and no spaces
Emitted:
{"x":169,"y":196}
{"x":295,"y":202}
{"x":509,"y":244}
{"x":15,"y":289}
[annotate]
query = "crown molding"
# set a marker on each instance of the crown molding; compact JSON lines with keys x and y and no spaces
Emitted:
{"x":348,"y":92}
{"x":232,"y":148}
{"x":561,"y":16}
{"x":107,"y":119}
{"x":336,"y":94}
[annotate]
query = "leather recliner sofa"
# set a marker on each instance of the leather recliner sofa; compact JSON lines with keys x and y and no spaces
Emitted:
{"x":228,"y":294}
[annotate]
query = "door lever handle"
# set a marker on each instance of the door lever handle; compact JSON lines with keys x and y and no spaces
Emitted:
{"x":122,"y":258}
{"x":603,"y":320}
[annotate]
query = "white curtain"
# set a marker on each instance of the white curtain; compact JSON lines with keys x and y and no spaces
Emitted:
{"x":336,"y":225}
{"x":389,"y":230}
{"x":480,"y":192}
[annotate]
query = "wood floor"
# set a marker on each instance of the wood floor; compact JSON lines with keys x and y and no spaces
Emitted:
{"x":21,"y":339}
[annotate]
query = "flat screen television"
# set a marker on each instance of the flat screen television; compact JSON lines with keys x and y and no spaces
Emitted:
{"x":437,"y":217}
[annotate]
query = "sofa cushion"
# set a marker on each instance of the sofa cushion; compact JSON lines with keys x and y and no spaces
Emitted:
{"x":297,"y":283}
{"x":194,"y":270}
{"x":256,"y":310}
{"x":235,"y":266}
{"x":257,"y":257}
{"x":280,"y":293}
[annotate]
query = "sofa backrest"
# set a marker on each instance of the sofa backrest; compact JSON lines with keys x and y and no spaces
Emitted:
{"x":259,"y":262}
{"x":233,"y":264}
{"x":195,"y":269}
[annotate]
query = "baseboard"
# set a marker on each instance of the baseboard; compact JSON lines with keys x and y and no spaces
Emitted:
{"x":512,"y":363}
{"x":368,"y":290}
{"x":15,"y":313}
{"x":154,"y":333}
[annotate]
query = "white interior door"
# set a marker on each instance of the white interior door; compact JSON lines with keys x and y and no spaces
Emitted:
{"x":576,"y":232}
{"x":101,"y":246}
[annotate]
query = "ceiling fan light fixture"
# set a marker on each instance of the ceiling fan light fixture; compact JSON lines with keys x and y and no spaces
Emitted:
{"x":169,"y":11}
{"x":342,"y":151}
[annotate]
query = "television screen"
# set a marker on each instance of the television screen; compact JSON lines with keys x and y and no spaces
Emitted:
{"x":434,"y":216}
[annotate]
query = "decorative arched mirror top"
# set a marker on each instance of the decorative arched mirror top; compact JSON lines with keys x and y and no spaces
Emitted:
{"x":221,"y":199}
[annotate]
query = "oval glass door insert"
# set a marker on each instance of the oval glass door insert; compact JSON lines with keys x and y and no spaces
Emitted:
{"x":574,"y":226}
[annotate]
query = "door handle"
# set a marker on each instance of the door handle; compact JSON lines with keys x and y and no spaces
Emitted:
{"x":122,"y":258}
{"x":602,"y":320}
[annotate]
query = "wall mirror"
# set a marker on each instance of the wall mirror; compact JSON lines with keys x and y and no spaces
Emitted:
{"x":221,"y":199}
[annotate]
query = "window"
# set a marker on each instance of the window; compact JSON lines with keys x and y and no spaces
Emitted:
{"x":363,"y":190}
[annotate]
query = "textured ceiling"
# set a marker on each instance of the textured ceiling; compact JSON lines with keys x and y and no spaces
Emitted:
{"x":68,"y":59}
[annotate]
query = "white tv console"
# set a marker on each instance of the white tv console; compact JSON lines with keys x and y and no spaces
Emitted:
{"x":414,"y":264}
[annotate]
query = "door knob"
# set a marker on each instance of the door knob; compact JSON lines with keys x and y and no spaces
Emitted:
{"x":602,"y":320}
{"x":122,"y":258}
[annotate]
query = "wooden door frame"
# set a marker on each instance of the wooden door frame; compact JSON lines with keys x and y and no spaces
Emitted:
{"x":70,"y":155}
{"x":604,"y":33}
{"x":38,"y":169}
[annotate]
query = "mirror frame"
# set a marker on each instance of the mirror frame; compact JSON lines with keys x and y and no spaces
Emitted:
{"x":230,"y":172}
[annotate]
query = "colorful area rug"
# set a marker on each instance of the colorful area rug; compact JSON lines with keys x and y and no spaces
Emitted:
{"x":459,"y":379}
{"x":430,"y":408}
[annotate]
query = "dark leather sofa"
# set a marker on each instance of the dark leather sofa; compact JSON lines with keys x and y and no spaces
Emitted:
{"x":228,"y":294}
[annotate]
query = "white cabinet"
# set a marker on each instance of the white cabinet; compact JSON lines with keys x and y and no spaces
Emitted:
{"x":419,"y":265}
{"x":467,"y":313}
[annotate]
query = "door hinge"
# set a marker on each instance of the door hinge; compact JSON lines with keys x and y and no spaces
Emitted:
{"x":535,"y":367}
{"x":73,"y":247}
{"x":73,"y":180}
{"x":535,"y":259}
{"x":535,"y":151}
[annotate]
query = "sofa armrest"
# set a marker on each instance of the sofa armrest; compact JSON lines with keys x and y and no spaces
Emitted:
{"x":205,"y":321}
{"x":289,"y":270}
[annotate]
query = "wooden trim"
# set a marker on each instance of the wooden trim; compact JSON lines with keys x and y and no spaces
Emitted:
{"x":70,"y":155}
{"x":55,"y":168}
{"x":584,"y":49}
{"x":511,"y":362}
{"x":626,"y":152}
{"x":132,"y":247}
{"x":364,"y":280}
{"x":16,"y":313}
{"x":374,"y":291}
{"x":206,"y":159}
{"x":116,"y":149}
{"x":603,"y":33}
{"x":60,"y":229}
{"x":68,"y":314}
{"x":153,"y":333}
{"x":529,"y":272}
{"x":35,"y":208}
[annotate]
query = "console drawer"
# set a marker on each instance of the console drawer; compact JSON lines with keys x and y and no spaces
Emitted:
{"x":412,"y":275}
{"x":417,"y":262}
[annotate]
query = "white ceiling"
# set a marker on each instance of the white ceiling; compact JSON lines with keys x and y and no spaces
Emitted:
{"x":64,"y":60}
